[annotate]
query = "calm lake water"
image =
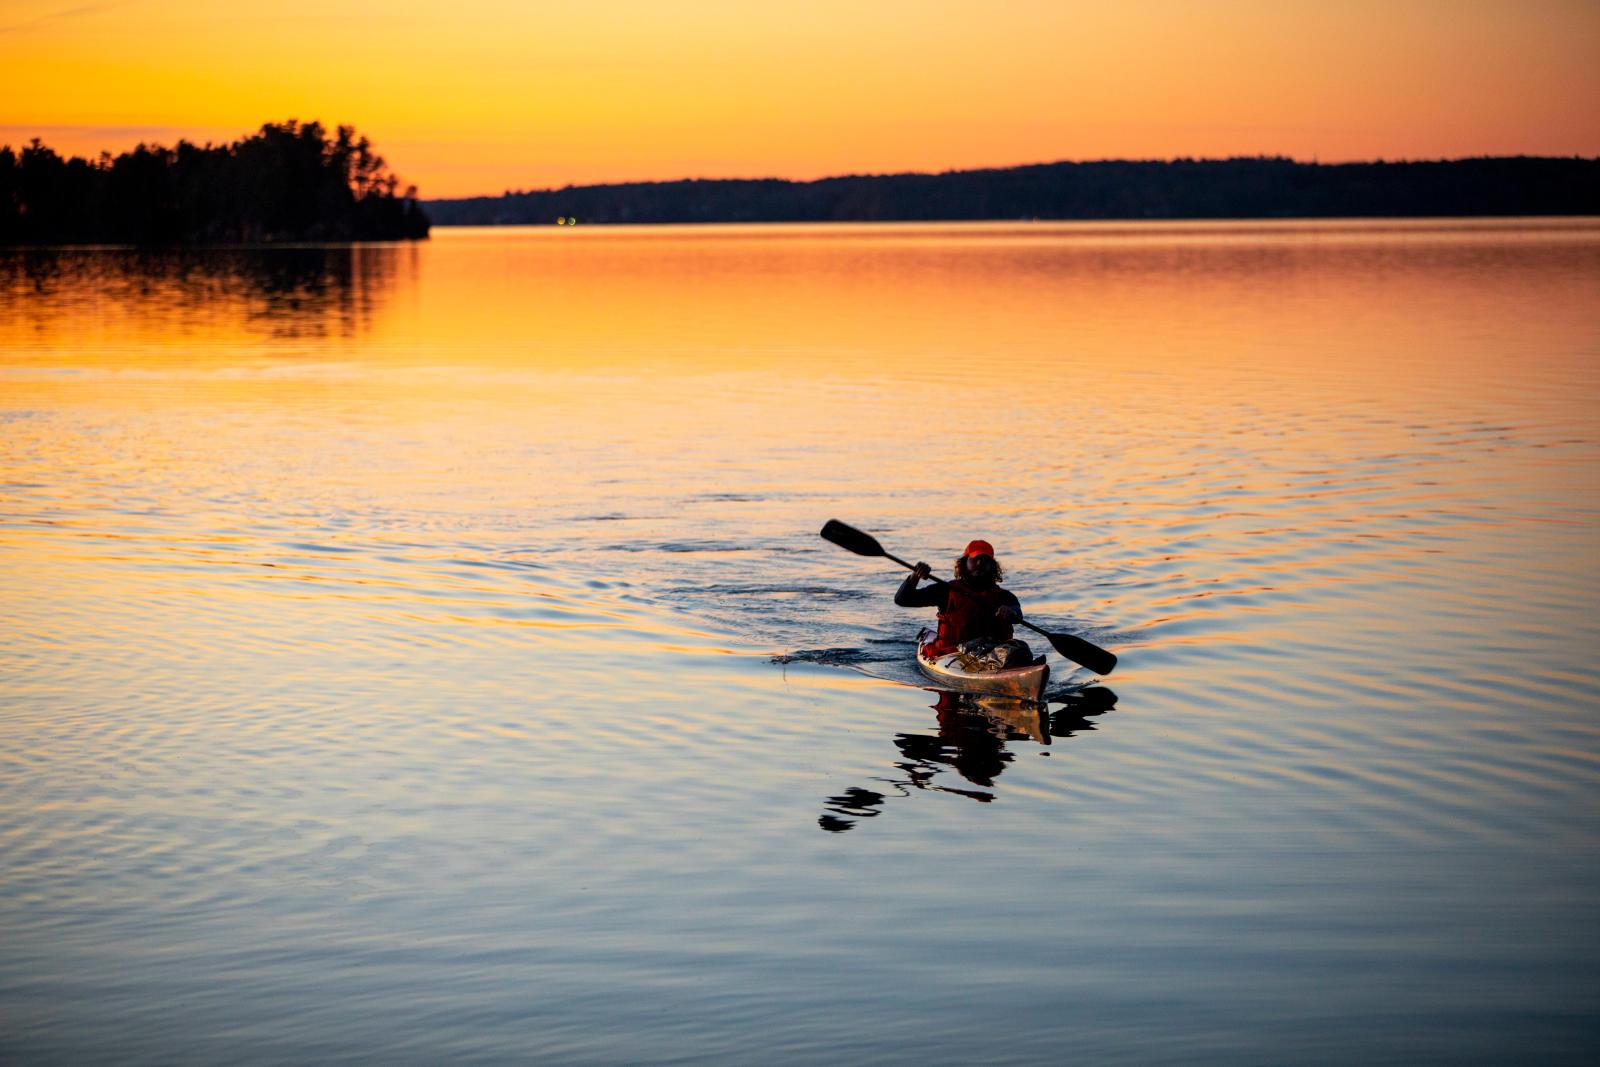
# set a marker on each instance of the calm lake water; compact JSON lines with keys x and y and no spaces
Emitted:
{"x":426,"y":654}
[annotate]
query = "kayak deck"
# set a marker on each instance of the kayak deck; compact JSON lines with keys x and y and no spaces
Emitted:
{"x":1025,"y":682}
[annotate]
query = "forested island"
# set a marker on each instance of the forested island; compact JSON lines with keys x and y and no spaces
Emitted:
{"x":1256,"y":187}
{"x":288,"y":181}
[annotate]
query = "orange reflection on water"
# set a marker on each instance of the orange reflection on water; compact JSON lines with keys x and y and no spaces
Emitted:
{"x":1247,"y":422}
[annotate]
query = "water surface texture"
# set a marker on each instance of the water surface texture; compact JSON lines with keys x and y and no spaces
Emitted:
{"x":426,"y":654}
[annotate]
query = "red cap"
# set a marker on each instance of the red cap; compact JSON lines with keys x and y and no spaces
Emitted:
{"x":979,"y":548}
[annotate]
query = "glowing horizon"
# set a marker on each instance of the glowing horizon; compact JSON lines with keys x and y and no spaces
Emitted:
{"x":478,"y":96}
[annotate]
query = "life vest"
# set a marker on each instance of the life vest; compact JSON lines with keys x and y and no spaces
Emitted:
{"x":968,"y":613}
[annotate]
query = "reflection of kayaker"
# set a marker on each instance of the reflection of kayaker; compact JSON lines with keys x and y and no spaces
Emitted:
{"x":971,"y":740}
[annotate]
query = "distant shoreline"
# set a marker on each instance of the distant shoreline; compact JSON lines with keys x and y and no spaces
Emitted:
{"x":1222,"y":222}
{"x":1112,"y":190}
{"x":1417,"y":223}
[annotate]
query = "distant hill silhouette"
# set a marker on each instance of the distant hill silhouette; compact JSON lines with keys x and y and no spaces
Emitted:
{"x":1256,"y":187}
{"x":286,"y":182}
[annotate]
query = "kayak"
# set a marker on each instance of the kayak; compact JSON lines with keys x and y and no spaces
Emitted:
{"x":1025,"y":682}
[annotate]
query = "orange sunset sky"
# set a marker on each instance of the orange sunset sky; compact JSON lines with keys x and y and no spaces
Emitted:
{"x":472,"y":97}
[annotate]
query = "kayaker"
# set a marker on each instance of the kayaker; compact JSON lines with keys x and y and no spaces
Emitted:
{"x":975,"y":614}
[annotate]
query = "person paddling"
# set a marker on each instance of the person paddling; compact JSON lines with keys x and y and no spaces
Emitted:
{"x":975,"y":614}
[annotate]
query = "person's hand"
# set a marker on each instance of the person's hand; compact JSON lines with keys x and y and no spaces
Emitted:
{"x":922,"y":571}
{"x":1007,"y":613}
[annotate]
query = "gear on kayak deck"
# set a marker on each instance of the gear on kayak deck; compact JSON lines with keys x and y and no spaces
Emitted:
{"x":980,"y":655}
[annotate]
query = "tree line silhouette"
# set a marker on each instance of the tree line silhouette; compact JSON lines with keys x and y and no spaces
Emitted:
{"x":288,"y":181}
{"x":1253,"y":187}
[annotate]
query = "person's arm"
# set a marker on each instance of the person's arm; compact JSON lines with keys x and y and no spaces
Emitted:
{"x":1008,"y":612}
{"x":909,"y":596}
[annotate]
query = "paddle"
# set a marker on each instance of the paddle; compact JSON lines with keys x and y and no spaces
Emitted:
{"x":1076,"y":649}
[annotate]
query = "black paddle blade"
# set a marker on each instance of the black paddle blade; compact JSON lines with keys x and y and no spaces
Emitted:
{"x":1082,"y":652}
{"x":851,"y":539}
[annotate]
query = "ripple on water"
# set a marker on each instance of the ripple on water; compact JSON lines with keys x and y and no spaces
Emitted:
{"x":492,"y":706}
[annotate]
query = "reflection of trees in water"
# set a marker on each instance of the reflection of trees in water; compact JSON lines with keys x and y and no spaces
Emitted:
{"x":972,"y":742}
{"x":280,"y":292}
